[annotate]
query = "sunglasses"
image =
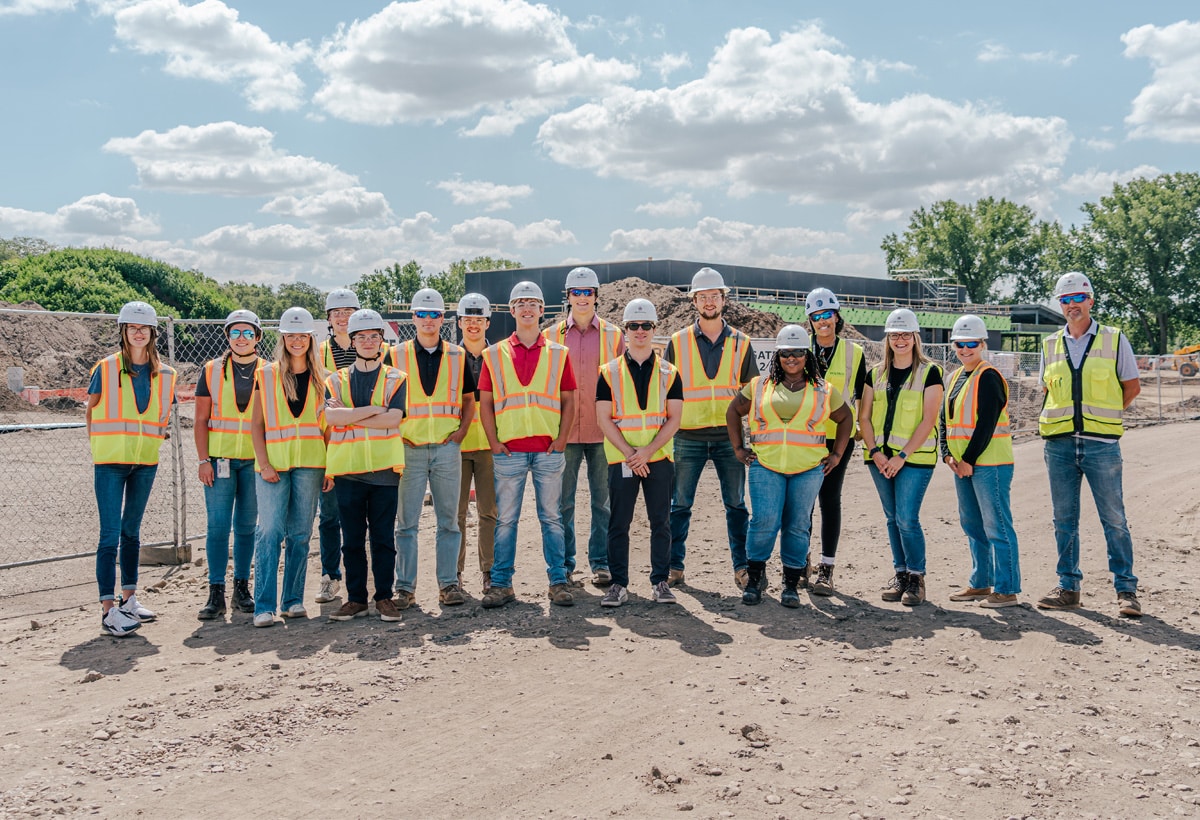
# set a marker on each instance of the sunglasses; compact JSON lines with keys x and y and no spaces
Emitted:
{"x":1073,"y":299}
{"x":238,"y":333}
{"x":792,"y":354}
{"x":822,"y":316}
{"x":639,"y":325}
{"x":967,"y":345}
{"x":427,"y":314}
{"x":582,"y":291}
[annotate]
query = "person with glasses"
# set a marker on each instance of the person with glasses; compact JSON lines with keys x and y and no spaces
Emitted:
{"x":841,"y":363}
{"x":591,"y":342}
{"x":976,"y":443}
{"x":1089,"y":377}
{"x":714,"y":361}
{"x":898,"y":417}
{"x":129,"y":403}
{"x":474,"y":318}
{"x":789,"y":411}
{"x":226,"y":453}
{"x":639,"y":404}
{"x":441,"y":404}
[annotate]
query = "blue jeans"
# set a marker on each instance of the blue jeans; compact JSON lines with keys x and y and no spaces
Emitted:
{"x":783,"y":505}
{"x":1069,"y":460}
{"x":985,"y":513}
{"x":120,"y":524}
{"x":511,"y":473}
{"x":330,"y":533}
{"x":231,"y":504}
{"x":597,"y":475}
{"x":286,"y":510}
{"x":440,"y":467}
{"x":901,"y":497}
{"x":690,"y":458}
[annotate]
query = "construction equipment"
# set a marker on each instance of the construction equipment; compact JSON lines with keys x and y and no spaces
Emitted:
{"x":1187,"y":360}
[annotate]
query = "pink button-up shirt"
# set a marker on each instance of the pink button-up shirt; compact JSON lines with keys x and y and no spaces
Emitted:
{"x":583,"y":349}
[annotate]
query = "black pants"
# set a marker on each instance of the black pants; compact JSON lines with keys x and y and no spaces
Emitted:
{"x":622,"y":496}
{"x":830,"y":501}
{"x":364,"y":507}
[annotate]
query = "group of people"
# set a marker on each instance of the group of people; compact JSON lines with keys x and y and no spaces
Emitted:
{"x":364,"y":432}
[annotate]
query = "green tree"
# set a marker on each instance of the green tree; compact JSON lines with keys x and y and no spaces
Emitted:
{"x":301,"y":294}
{"x":452,"y":283}
{"x":394,"y":283}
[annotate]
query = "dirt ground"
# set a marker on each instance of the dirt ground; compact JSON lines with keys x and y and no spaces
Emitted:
{"x":847,"y":707}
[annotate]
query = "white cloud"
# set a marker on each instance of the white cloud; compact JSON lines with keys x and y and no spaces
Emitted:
{"x":491,"y":196}
{"x":503,"y":61}
{"x":275,"y":242}
{"x":668,"y":64}
{"x":341,"y":207}
{"x":717,"y":239}
{"x":995,"y":53}
{"x":677,"y":206}
{"x":1168,"y":108}
{"x":96,"y":216}
{"x":489,"y":232}
{"x":25,"y":8}
{"x":1098,"y":144}
{"x":207,"y":41}
{"x":1095,"y":183}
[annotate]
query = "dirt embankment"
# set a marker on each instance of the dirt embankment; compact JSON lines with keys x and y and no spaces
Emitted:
{"x":57,"y":352}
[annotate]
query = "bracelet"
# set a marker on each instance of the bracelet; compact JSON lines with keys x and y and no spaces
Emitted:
{"x":874,"y":450}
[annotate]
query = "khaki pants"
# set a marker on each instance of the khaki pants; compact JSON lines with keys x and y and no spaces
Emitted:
{"x":477,"y":465}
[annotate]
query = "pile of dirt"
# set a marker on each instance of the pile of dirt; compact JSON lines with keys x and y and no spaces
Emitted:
{"x":56,"y":351}
{"x":12,"y":402}
{"x":675,"y":310}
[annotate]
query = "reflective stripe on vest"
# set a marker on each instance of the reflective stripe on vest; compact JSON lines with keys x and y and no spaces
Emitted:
{"x":118,"y":433}
{"x":795,"y":445}
{"x":355,"y":449}
{"x":961,"y":421}
{"x":910,"y":411}
{"x":228,"y":427}
{"x":431,"y":419}
{"x":638,"y":426}
{"x":610,"y":338}
{"x":1098,"y":409}
{"x":843,"y":367}
{"x":291,"y":442}
{"x":525,"y":411}
{"x":705,"y":401}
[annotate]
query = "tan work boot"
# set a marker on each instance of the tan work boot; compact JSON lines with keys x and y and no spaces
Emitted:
{"x":561,"y":596}
{"x":675,"y":577}
{"x":971,"y":594}
{"x":497,"y":597}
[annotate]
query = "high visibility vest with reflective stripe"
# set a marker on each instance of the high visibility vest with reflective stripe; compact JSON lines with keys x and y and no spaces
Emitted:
{"x":610,"y":338}
{"x":792,"y":446}
{"x":843,"y":367}
{"x":475,"y":439}
{"x":638,"y":426}
{"x":961,"y":420}
{"x":431,"y":419}
{"x":910,"y":410}
{"x":1093,"y":404}
{"x":354,"y":449}
{"x":706,"y":400}
{"x":526,"y":411}
{"x":291,"y":442}
{"x":119,"y":434}
{"x":228,"y":427}
{"x":326,"y":351}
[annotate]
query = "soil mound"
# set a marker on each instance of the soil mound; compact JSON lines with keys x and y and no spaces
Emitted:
{"x":56,"y":351}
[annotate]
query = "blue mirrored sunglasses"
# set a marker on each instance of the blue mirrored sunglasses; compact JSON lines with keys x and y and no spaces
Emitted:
{"x":583,"y":291}
{"x":967,"y":345}
{"x":239,"y":333}
{"x":427,"y":314}
{"x":1074,"y":298}
{"x":822,"y":316}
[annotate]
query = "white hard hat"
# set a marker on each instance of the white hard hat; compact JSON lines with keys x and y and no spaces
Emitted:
{"x":428,"y":299}
{"x":137,"y":313}
{"x":297,"y":320}
{"x":474,"y":304}
{"x":820,"y":299}
{"x":1070,"y":283}
{"x":526,"y":290}
{"x":582,"y":278}
{"x":243,"y":317}
{"x":640,"y":310}
{"x":364,"y":319}
{"x":341,"y":298}
{"x":902,"y":320}
{"x":792,"y":337}
{"x":707,"y":279}
{"x":968,"y":327}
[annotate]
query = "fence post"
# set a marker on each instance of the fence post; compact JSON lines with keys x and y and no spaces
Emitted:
{"x":180,"y":552}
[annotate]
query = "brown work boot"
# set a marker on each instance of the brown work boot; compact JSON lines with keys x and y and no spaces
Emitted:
{"x":1059,"y":598}
{"x":893,"y":590}
{"x":572,"y":581}
{"x":998,"y":601}
{"x":971,"y":594}
{"x":675,"y":577}
{"x":1128,"y":603}
{"x":914,"y":590}
{"x":823,"y":585}
{"x":561,"y":596}
{"x":387,"y":610}
{"x":348,"y":611}
{"x":497,"y":597}
{"x":487,"y":582}
{"x":602,"y":579}
{"x":741,"y":577}
{"x":404,"y":599}
{"x":451,"y":595}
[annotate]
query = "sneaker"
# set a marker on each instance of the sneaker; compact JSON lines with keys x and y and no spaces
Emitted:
{"x":388,"y":613}
{"x":295,"y":611}
{"x":615,"y":596}
{"x":404,"y":599}
{"x":134,"y":609}
{"x":497,"y":597}
{"x":1059,"y":598}
{"x":118,"y":624}
{"x":663,"y":593}
{"x":893,"y":590}
{"x":675,"y":578}
{"x":602,"y":578}
{"x":451,"y":595}
{"x":560,"y":595}
{"x":264,"y":619}
{"x":348,"y":611}
{"x":329,"y":589}
{"x":824,"y":583}
{"x":741,"y":577}
{"x":998,"y":601}
{"x":914,"y":590}
{"x":1128,"y":603}
{"x":971,"y":594}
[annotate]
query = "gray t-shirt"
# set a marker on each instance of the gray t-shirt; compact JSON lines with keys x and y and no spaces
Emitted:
{"x":1127,"y":368}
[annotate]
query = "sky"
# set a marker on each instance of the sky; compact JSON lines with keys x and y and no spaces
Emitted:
{"x":266,"y":141}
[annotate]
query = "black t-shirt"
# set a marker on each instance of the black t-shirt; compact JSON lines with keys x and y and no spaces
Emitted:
{"x":430,"y":362}
{"x":993,"y":397}
{"x":641,"y":375}
{"x":897,"y":376}
{"x":710,"y":355}
{"x":297,"y":406}
{"x":362,"y":388}
{"x":824,"y":355}
{"x":243,"y":384}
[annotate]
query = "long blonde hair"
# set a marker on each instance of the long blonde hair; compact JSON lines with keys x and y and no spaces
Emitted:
{"x":919,"y":356}
{"x":316,"y":377}
{"x":151,"y":351}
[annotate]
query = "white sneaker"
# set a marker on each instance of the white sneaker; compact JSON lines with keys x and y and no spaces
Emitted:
{"x":118,"y":624}
{"x":295,"y":611}
{"x":264,"y":619}
{"x":329,"y":589}
{"x":134,"y":609}
{"x":615,"y":596}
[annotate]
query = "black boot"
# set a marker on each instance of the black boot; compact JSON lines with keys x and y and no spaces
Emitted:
{"x":757,"y":581}
{"x":215,"y":607}
{"x":792,"y":576}
{"x":241,"y":599}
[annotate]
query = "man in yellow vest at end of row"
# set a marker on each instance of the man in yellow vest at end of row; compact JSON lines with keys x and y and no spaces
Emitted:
{"x":590,"y":343}
{"x":441,"y":404}
{"x":639,"y":404}
{"x":1089,"y":377}
{"x":715,"y":362}
{"x":527,"y":397}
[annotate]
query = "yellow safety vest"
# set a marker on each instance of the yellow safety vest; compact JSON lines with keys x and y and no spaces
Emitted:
{"x":793,"y":446}
{"x":1093,"y":403}
{"x":910,"y":410}
{"x":610,"y":338}
{"x":526,"y":411}
{"x":475,"y":439}
{"x":228,"y":427}
{"x":326,"y":351}
{"x":354,"y":449}
{"x":843,"y":366}
{"x":431,"y":419}
{"x":961,"y":420}
{"x":119,"y":434}
{"x":638,"y":426}
{"x":291,"y":442}
{"x":706,"y":400}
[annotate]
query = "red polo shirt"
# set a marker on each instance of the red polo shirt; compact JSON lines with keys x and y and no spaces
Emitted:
{"x":525,"y":362}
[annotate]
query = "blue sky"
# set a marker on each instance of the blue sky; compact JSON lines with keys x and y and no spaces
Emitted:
{"x":271,"y":141}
